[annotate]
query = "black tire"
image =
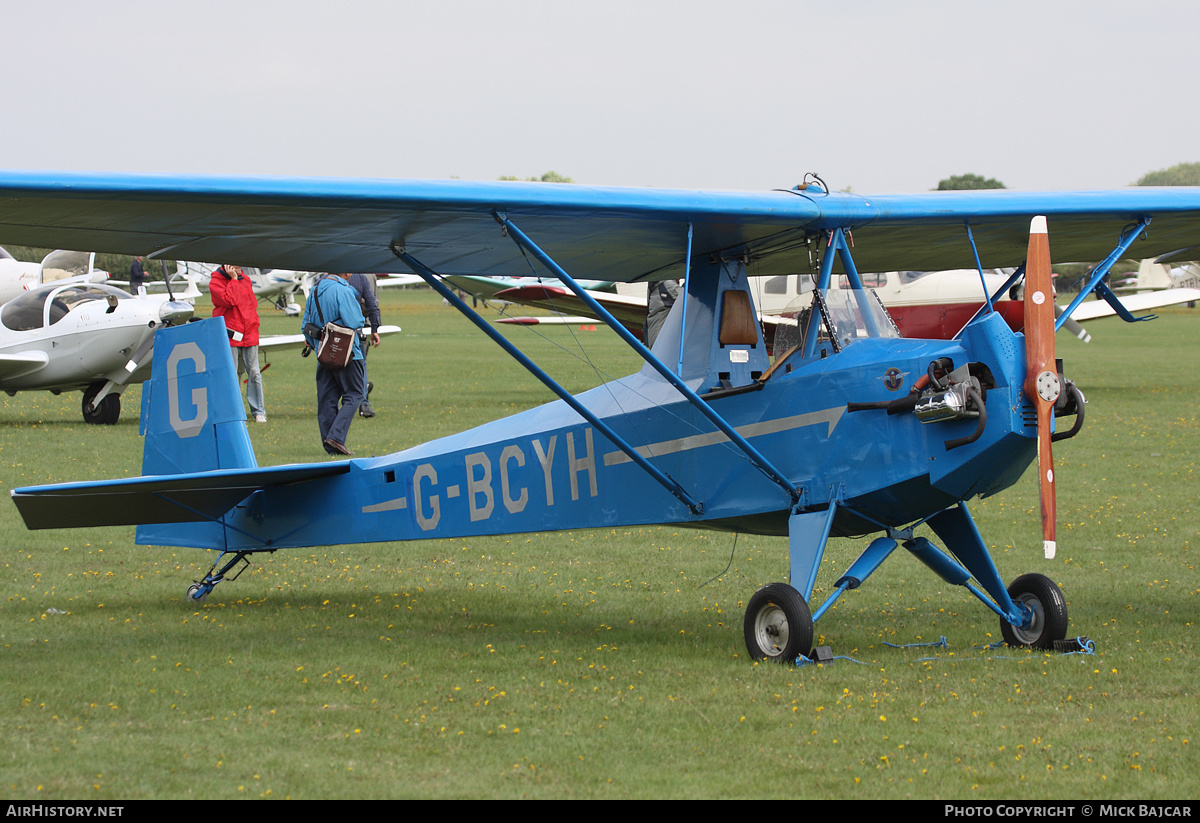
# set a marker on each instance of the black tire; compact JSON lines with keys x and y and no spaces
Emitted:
{"x":108,"y":410}
{"x":1045,"y":598}
{"x":778,"y":624}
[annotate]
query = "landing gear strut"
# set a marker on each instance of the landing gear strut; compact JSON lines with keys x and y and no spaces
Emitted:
{"x":200,"y":589}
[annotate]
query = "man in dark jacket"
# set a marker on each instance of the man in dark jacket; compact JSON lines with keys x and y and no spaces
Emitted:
{"x":660,"y":297}
{"x":367,"y":289}
{"x":137,"y":276}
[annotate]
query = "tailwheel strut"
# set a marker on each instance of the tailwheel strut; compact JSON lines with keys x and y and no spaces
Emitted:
{"x":200,"y":589}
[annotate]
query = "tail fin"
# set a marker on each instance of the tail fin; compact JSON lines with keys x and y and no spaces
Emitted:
{"x":192,"y":414}
{"x":191,"y":275}
{"x":193,"y":420}
{"x":200,"y":473}
{"x":1153,"y":275}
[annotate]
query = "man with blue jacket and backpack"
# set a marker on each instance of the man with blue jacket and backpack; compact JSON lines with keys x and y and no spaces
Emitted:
{"x":339,"y":391}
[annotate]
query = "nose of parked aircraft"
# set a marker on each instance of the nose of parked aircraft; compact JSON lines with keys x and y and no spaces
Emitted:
{"x":175,"y":312}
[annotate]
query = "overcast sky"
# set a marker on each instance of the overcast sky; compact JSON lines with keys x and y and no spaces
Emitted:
{"x":875,"y":96}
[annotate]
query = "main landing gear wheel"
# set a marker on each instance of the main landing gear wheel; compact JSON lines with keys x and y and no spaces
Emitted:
{"x":778,"y":624}
{"x":107,"y":410}
{"x":197,"y":593}
{"x":1041,"y":596}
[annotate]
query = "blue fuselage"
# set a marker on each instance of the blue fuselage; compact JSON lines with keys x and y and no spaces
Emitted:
{"x":547,"y":469}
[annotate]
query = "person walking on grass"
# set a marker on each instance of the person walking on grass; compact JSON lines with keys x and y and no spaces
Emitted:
{"x":340,"y":392}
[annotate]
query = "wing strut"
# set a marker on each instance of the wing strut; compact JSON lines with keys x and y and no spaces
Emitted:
{"x":430,"y":277}
{"x":687,"y":279}
{"x":1130,"y":234}
{"x":1106,"y":294}
{"x":757,"y":459}
{"x":978,"y":265}
{"x":838,"y":240}
{"x":836,"y":248}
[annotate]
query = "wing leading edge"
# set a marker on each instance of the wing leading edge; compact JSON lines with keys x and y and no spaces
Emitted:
{"x":320,"y":224}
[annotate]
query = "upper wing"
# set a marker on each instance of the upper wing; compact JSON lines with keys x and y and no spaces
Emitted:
{"x":1093,"y":309}
{"x":609,"y":234}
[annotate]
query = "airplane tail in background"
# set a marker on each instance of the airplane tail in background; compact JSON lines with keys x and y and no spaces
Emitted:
{"x":1153,"y":275}
{"x":192,"y":413}
{"x":193,"y":285}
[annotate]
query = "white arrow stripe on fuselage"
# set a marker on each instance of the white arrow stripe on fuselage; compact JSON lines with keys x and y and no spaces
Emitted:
{"x":695,"y":441}
{"x":386,"y":506}
{"x":829,"y":417}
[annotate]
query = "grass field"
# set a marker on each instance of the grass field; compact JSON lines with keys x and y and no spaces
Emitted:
{"x":602,"y":664}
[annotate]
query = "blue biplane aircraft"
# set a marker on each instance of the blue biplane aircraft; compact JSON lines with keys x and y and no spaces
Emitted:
{"x":852,"y":431}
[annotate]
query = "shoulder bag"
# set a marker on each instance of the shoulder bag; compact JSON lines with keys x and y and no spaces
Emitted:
{"x":336,"y":345}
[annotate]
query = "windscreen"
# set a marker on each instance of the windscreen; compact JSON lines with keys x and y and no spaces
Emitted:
{"x":843,"y":316}
{"x":28,"y":311}
{"x":61,"y":264}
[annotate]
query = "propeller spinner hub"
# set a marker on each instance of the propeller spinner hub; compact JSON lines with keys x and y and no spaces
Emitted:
{"x":174,"y":312}
{"x":1048,"y":386}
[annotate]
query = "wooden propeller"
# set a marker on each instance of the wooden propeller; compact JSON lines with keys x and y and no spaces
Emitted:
{"x":1041,"y":371}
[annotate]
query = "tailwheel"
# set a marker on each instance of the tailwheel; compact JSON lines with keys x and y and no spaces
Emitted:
{"x":232,"y":570}
{"x":1048,"y":612}
{"x":197,"y":593}
{"x":778,"y":624}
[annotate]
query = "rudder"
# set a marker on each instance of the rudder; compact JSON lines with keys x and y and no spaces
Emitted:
{"x":192,"y":414}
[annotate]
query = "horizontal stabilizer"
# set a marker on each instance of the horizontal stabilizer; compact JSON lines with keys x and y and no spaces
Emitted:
{"x":179,"y":498}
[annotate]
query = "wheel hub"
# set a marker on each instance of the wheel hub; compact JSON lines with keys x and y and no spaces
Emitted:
{"x":1035,"y":619}
{"x":771,"y":630}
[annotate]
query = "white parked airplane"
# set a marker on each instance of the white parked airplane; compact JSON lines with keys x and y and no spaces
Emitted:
{"x":93,"y":338}
{"x":65,"y":326}
{"x":1153,"y":275}
{"x":17,"y":277}
{"x":1155,"y":285}
{"x":81,"y":336}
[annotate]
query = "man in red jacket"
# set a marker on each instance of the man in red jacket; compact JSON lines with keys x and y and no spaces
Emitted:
{"x":233,"y":298}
